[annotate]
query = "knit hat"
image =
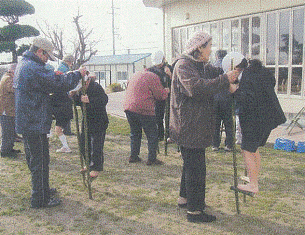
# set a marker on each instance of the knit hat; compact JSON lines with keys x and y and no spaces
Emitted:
{"x":198,"y":39}
{"x":232,"y":57}
{"x":45,"y":45}
{"x":157,"y":57}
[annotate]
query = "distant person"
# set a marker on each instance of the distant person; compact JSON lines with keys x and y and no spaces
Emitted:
{"x":7,"y":113}
{"x":164,"y":71}
{"x":62,"y":107}
{"x":143,"y":90}
{"x":192,"y":118}
{"x":223,"y":111}
{"x":97,"y":122}
{"x":240,"y":63}
{"x":34,"y":82}
{"x":259,"y":113}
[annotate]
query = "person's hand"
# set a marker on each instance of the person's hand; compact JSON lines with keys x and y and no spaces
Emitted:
{"x":167,"y":89}
{"x":84,"y":98}
{"x":233,"y":87}
{"x":233,"y":75}
{"x":83,"y":71}
{"x":72,"y":93}
{"x":167,"y":71}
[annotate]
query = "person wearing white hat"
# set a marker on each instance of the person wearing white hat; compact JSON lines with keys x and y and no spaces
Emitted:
{"x":164,"y":72}
{"x":238,"y":61}
{"x":33,"y":84}
{"x":97,"y":122}
{"x":192,"y":118}
{"x":143,"y":90}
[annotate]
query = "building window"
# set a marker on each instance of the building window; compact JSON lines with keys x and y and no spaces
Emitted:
{"x":245,"y":37}
{"x":271,"y":39}
{"x":122,"y":76}
{"x":275,"y":37}
{"x":256,"y":38}
{"x":100,"y":76}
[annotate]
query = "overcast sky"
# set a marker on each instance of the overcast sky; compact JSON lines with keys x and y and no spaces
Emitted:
{"x":137,"y":27}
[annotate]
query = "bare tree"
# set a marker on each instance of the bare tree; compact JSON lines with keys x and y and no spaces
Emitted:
{"x":84,"y":47}
{"x":83,"y":44}
{"x":55,"y":35}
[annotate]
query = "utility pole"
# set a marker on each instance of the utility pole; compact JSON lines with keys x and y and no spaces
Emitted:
{"x":113,"y":33}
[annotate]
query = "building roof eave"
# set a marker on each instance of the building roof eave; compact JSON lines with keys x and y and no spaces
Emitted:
{"x":157,"y":3}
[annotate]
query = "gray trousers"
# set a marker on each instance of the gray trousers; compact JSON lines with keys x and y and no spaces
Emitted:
{"x":8,"y":133}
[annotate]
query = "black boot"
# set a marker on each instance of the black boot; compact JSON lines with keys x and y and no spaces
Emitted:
{"x":200,"y":217}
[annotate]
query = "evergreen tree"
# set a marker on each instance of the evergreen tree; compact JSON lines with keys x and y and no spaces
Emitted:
{"x":10,"y":11}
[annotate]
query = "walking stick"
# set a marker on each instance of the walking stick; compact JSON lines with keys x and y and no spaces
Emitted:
{"x":167,"y":111}
{"x":234,"y":152}
{"x":86,"y":156}
{"x":81,"y":157}
{"x":234,"y":187}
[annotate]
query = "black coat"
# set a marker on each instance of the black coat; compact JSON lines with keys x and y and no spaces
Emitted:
{"x":96,"y":108}
{"x":259,"y":108}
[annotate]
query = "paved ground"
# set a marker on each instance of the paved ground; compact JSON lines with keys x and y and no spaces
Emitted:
{"x":115,"y":107}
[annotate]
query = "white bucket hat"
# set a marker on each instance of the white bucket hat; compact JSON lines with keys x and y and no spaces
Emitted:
{"x":157,"y":57}
{"x":234,"y":58}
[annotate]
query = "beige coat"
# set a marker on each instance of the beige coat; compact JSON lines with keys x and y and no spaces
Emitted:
{"x":192,"y":117}
{"x":7,"y":95}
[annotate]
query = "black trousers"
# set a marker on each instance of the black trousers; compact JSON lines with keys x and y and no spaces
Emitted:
{"x":95,"y":149}
{"x":36,"y":148}
{"x":223,"y":114}
{"x":193,"y":178}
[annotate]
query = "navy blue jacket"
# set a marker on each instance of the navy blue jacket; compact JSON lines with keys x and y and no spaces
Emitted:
{"x":33,"y":84}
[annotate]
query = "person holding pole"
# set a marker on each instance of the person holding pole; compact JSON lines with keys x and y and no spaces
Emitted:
{"x":97,"y":123}
{"x":143,"y":89}
{"x":33,"y":85}
{"x":192,"y":118}
{"x":259,"y":113}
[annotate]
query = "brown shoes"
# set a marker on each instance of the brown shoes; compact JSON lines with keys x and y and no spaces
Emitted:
{"x":134,"y":160}
{"x":155,"y":162}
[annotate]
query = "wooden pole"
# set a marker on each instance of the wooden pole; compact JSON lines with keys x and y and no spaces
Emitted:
{"x":167,"y":111}
{"x":79,"y":143}
{"x":234,"y":151}
{"x":87,"y":159}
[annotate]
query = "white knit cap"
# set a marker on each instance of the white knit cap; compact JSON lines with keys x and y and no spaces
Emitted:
{"x":198,"y":39}
{"x":157,"y":57}
{"x":234,"y":58}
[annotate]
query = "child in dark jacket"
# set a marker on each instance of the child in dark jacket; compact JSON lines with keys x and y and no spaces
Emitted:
{"x":95,"y":100}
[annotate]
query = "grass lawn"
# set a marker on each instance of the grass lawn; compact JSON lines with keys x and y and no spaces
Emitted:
{"x":141,"y":199}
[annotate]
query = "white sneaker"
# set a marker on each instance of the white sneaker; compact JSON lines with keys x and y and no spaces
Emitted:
{"x":64,"y":150}
{"x":215,"y":148}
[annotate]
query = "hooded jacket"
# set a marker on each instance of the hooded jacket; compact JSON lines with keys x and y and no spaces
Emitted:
{"x":33,"y":84}
{"x":192,"y":116}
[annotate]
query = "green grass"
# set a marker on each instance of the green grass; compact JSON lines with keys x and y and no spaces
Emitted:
{"x":137,"y":199}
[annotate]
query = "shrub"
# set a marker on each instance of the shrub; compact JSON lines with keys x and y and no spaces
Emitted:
{"x":115,"y":87}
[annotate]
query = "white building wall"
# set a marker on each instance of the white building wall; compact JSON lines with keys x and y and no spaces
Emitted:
{"x":199,"y":11}
{"x":184,"y":13}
